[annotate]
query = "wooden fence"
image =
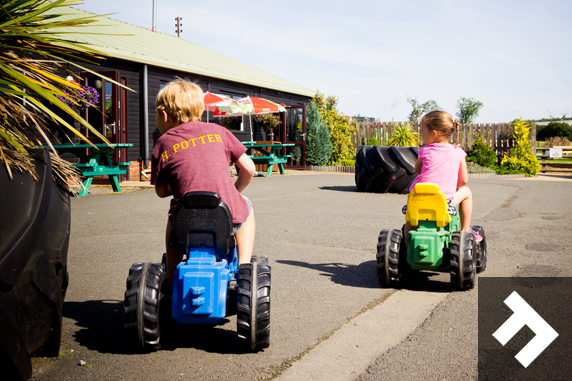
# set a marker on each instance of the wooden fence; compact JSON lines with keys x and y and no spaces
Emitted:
{"x":496,"y":135}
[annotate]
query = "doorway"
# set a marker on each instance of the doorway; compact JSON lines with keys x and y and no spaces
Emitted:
{"x":109,"y":116}
{"x":294,"y":131}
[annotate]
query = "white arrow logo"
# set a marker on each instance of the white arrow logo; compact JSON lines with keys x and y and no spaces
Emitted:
{"x":523,"y":315}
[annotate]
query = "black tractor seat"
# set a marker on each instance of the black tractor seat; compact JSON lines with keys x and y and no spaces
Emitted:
{"x":202,"y":218}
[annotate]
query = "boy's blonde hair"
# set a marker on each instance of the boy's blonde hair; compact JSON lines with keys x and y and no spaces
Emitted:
{"x":182,"y":99}
{"x":441,"y":122}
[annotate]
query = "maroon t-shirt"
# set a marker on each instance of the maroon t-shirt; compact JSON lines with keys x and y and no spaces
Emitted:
{"x":195,"y":157}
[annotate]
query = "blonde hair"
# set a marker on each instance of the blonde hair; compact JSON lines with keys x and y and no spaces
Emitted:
{"x":441,"y":122}
{"x":182,"y":99}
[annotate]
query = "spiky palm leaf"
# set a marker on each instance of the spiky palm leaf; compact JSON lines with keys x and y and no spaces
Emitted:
{"x":403,"y":135}
{"x":32,"y":50}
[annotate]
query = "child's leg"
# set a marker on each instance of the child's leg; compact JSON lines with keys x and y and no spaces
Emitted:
{"x":245,"y":239}
{"x":464,"y":198}
{"x":173,"y":259}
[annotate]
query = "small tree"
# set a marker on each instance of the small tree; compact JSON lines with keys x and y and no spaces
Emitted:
{"x":468,"y":109}
{"x":420,"y":109}
{"x":520,"y":157}
{"x":482,"y":154}
{"x":341,"y":129}
{"x":318,"y":146}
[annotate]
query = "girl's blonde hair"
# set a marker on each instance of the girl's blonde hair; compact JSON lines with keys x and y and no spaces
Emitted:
{"x":182,"y":99}
{"x":442,"y":122}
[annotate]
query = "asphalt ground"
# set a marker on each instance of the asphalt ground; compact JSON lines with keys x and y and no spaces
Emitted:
{"x":320,"y":236}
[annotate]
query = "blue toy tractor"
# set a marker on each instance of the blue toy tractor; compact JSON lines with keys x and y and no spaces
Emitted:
{"x":202,"y":289}
{"x":436,"y":243}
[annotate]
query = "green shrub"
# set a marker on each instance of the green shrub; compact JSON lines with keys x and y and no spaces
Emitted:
{"x":482,"y":154}
{"x":340,"y":126}
{"x":499,"y":170}
{"x":554,"y":129}
{"x":520,"y":157}
{"x":476,"y":168}
{"x":403,"y":135}
{"x":349,"y":162}
{"x":318,"y":145}
{"x":373,"y":142}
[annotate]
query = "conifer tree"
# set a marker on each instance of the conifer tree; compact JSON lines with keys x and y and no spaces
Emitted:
{"x":318,"y":145}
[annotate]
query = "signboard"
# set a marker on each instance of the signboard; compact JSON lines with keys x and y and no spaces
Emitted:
{"x":555,"y":153}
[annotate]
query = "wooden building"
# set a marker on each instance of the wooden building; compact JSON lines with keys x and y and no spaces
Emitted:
{"x":145,"y":61}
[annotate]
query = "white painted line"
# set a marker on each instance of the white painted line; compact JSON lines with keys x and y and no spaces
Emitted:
{"x":356,"y":345}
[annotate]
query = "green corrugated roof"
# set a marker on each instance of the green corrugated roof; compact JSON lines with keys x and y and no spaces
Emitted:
{"x":163,"y":50}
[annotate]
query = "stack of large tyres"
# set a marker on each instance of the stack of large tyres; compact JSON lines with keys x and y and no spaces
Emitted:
{"x":34,"y":238}
{"x":381,"y":169}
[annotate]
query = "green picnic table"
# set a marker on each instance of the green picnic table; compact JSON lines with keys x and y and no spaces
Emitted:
{"x":96,"y":163}
{"x":270,"y":157}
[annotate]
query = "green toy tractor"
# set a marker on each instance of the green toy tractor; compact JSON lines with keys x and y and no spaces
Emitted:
{"x":436,"y":243}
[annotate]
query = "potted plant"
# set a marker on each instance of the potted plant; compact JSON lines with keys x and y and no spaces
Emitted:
{"x":35,"y":200}
{"x":268,"y":122}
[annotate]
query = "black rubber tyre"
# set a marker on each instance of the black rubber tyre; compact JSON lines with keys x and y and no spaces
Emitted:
{"x":463,"y":267}
{"x":388,"y":244}
{"x":481,"y":249}
{"x":262,"y":259}
{"x":253,"y":305}
{"x":381,"y":169}
{"x":145,"y":287}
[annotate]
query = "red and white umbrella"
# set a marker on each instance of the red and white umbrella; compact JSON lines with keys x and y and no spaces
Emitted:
{"x":221,"y":104}
{"x":257,"y":106}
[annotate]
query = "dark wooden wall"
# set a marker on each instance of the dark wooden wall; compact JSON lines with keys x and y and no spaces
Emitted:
{"x":133,"y":73}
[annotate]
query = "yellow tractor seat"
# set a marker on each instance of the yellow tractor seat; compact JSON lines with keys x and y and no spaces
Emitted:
{"x":427,"y":203}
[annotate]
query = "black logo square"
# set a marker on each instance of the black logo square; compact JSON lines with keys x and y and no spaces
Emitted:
{"x":541,"y":304}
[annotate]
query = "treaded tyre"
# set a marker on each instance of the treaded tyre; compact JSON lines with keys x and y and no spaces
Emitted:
{"x":388,"y":244}
{"x":262,"y":259}
{"x":253,"y":305}
{"x":463,"y":260}
{"x":481,"y":249}
{"x":381,"y":169}
{"x":142,"y":305}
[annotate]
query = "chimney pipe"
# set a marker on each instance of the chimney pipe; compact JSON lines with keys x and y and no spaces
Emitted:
{"x":154,"y":29}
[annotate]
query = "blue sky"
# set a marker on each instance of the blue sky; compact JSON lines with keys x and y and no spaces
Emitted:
{"x":514,"y":56}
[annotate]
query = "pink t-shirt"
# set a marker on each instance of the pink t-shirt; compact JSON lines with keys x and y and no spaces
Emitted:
{"x":195,"y":157}
{"x":441,"y":164}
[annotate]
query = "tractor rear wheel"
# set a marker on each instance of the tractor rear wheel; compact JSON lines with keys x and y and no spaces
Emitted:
{"x":481,"y":249}
{"x":253,"y":304}
{"x":146,"y":285}
{"x":463,"y":266}
{"x":388,"y":248}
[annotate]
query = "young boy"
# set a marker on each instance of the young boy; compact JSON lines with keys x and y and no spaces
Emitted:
{"x":194,"y":156}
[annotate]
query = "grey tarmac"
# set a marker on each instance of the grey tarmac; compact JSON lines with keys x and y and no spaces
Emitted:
{"x":320,"y":236}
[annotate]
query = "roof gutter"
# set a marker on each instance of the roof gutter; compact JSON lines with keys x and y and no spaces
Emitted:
{"x":145,"y":116}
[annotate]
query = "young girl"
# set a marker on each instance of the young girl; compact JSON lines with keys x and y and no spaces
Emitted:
{"x":444,"y":164}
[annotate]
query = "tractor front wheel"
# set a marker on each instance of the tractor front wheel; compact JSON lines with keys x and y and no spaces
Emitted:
{"x":388,"y":247}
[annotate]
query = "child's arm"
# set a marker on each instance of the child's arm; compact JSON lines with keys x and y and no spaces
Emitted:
{"x":418,"y":166}
{"x":247,"y":168}
{"x":163,"y":190}
{"x":463,"y":175}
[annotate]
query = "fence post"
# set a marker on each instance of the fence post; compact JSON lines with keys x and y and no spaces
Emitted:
{"x":533,"y":137}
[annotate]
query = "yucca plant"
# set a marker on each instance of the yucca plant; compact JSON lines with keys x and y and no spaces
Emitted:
{"x":33,"y":48}
{"x":403,"y":135}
